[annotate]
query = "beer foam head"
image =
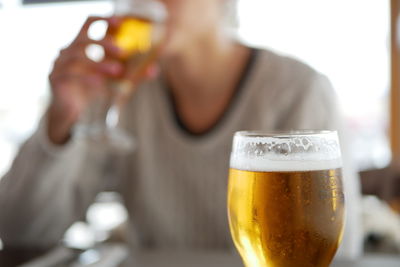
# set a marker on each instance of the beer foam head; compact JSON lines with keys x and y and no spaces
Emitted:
{"x":292,"y":151}
{"x":153,"y":10}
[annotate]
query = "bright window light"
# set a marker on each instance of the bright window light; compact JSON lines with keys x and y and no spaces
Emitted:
{"x":348,"y":41}
{"x":32,"y":36}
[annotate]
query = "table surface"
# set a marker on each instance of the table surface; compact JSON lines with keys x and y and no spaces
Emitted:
{"x":221,"y":260}
{"x":111,"y":256}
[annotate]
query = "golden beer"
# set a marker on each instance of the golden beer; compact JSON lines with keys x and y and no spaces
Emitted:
{"x":285,"y":199}
{"x":286,"y":219}
{"x":139,"y":40}
{"x":134,"y":35}
{"x":141,"y":28}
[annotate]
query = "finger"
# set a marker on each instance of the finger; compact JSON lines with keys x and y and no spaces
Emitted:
{"x":152,"y":71}
{"x":110,"y":49}
{"x":141,"y":71}
{"x":75,"y":92}
{"x":72,"y":58}
{"x":84,"y":67}
{"x":83,"y":33}
{"x":80,"y":86}
{"x":78,"y":64}
{"x":105,"y":68}
{"x":114,"y":22}
{"x":75,"y":79}
{"x":73,"y":67}
{"x":83,"y":37}
{"x":110,"y":67}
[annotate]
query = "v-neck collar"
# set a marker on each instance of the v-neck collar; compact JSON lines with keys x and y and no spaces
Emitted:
{"x":242,"y":96}
{"x":228,"y":109}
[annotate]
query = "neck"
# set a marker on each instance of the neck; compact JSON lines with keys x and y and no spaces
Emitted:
{"x":196,"y":69}
{"x":203,"y":78}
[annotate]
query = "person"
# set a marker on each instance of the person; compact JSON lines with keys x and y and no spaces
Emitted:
{"x":174,"y":183}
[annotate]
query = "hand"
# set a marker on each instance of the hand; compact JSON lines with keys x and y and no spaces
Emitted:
{"x":76,"y":80}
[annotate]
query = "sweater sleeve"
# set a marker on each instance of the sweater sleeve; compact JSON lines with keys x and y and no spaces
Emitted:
{"x":316,"y":107}
{"x":47,"y":188}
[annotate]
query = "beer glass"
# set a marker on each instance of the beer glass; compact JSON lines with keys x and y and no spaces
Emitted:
{"x":285,"y":198}
{"x":139,"y":37}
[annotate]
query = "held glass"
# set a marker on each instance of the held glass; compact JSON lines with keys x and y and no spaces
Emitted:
{"x":285,"y":198}
{"x":139,"y":37}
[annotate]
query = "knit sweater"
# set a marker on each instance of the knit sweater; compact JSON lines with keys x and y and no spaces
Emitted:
{"x":174,"y":183}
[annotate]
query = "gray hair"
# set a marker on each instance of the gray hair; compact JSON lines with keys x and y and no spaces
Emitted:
{"x":229,"y":9}
{"x":231,"y":19}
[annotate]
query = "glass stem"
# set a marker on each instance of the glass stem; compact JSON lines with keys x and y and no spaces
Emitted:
{"x":122,"y":90}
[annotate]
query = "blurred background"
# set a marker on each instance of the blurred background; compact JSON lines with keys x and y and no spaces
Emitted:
{"x":353,"y":51}
{"x":347,"y":40}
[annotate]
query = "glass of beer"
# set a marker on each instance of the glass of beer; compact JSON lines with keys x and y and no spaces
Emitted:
{"x":285,"y":198}
{"x":139,"y":37}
